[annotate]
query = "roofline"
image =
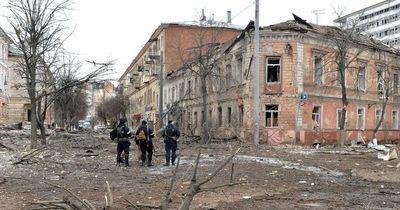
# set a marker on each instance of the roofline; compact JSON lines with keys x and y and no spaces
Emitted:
{"x":364,"y":9}
{"x":155,"y":34}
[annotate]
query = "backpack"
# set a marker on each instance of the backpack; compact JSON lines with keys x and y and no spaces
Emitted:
{"x":113,"y":134}
{"x":120,"y":132}
{"x":170,"y":132}
{"x":141,"y":136}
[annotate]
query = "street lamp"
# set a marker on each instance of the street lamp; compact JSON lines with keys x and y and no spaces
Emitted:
{"x":161,"y":78}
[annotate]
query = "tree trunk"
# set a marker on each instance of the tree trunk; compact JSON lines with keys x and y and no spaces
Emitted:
{"x":189,"y":197}
{"x":40,"y":122}
{"x":33,"y":123}
{"x":342,"y":72}
{"x":205,"y":136}
{"x":378,"y":125}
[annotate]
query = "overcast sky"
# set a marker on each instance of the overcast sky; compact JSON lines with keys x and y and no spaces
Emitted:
{"x":117,"y":29}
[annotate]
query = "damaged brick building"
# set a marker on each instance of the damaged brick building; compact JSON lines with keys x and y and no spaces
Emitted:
{"x":301,"y":95}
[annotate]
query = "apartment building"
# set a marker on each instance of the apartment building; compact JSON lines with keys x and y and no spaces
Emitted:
{"x":381,"y":21}
{"x":4,"y":74}
{"x":300,"y":98}
{"x":164,"y":52}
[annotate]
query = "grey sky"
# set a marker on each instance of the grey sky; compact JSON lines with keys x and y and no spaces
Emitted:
{"x":117,"y":29}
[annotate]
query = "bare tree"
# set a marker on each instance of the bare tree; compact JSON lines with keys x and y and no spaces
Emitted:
{"x":347,"y":48}
{"x":202,"y":62}
{"x":111,"y":109}
{"x":38,"y":36}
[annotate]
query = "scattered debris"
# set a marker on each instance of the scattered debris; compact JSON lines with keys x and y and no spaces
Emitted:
{"x":391,"y":155}
{"x":374,"y":145}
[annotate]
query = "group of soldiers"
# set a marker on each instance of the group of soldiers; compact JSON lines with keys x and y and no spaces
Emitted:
{"x":144,"y":140}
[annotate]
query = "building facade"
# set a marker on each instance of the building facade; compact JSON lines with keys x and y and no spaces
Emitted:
{"x":167,"y":47}
{"x":381,"y":21}
{"x":300,"y":96}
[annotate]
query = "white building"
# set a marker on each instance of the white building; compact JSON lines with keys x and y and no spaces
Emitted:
{"x":381,"y":21}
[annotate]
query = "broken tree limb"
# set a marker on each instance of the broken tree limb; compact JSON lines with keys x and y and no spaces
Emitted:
{"x":108,"y":197}
{"x":31,"y":154}
{"x":222,"y":185}
{"x":167,"y":196}
{"x":219,"y":168}
{"x":85,"y":203}
{"x":132,"y":204}
{"x":7,"y":147}
{"x":195,"y":187}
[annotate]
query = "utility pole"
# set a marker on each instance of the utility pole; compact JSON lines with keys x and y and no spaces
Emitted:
{"x":257,"y":75}
{"x":160,"y":111}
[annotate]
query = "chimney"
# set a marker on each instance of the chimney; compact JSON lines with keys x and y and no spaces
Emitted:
{"x":229,"y":18}
{"x":203,"y":17}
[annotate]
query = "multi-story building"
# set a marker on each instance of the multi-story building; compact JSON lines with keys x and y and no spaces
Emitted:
{"x":381,"y":21}
{"x":4,"y":74}
{"x":300,"y":96}
{"x":167,"y":47}
{"x":97,"y":92}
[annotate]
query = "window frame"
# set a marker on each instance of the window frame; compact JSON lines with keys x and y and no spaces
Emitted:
{"x":319,"y":114}
{"x":278,"y":79}
{"x":358,"y":119}
{"x":337,"y":117}
{"x":321,"y":57}
{"x":272,"y":112}
{"x":395,"y":122}
{"x":364,"y":67}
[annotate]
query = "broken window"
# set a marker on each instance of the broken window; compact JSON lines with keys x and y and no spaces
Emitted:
{"x":316,"y":117}
{"x":241,"y":111}
{"x":378,"y":116}
{"x":396,"y":83}
{"x":273,"y":69}
{"x":339,"y":117}
{"x":395,"y":119}
{"x":229,"y":116}
{"x":189,"y":120}
{"x":229,"y":78}
{"x":360,"y":118}
{"x":318,"y":69}
{"x":195,"y":119}
{"x":239,"y":67}
{"x":271,"y":116}
{"x":381,"y":81}
{"x":189,"y":91}
{"x":361,"y":77}
{"x":210,"y":118}
{"x":219,"y":116}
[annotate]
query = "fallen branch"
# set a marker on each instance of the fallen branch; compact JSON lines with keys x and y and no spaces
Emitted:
{"x":7,"y":147}
{"x":86,"y":155}
{"x":84,"y":202}
{"x":132,"y":204}
{"x":108,"y":197}
{"x":222,"y":185}
{"x":167,"y":196}
{"x":195,"y":187}
{"x":31,"y":154}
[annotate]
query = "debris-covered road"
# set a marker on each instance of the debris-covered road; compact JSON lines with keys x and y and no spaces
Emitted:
{"x":75,"y":167}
